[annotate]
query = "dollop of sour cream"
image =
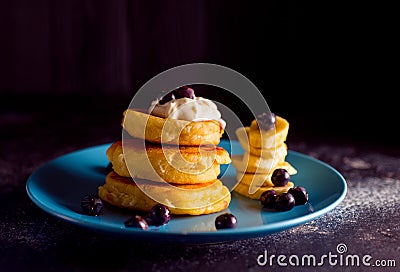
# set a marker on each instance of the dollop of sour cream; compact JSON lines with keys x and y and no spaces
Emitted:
{"x":196,"y":109}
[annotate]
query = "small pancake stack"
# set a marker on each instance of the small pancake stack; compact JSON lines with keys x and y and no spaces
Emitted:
{"x":168,"y":161}
{"x":264,"y":151}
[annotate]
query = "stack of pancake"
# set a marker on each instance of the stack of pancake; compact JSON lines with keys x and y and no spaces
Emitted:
{"x":264,"y":151}
{"x":168,"y":161}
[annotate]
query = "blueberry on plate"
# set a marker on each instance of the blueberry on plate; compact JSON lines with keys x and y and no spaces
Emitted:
{"x":160,"y":214}
{"x":300,"y":195}
{"x":268,"y":199}
{"x":285,"y":202}
{"x":92,"y":205}
{"x":280,"y":177}
{"x":137,"y":222}
{"x":225,"y":221}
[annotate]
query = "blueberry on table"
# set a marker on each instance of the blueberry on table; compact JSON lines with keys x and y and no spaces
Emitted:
{"x":160,"y":214}
{"x":225,"y":221}
{"x":280,"y":177}
{"x":92,"y":205}
{"x":300,"y":195}
{"x":136,"y":222}
{"x":285,"y":202}
{"x":266,"y":120}
{"x":184,"y":91}
{"x":268,"y":199}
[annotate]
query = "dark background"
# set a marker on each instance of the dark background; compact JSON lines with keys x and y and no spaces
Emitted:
{"x":323,"y":66}
{"x":68,"y":69}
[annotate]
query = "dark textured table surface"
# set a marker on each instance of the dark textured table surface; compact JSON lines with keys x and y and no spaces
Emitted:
{"x":366,"y":221}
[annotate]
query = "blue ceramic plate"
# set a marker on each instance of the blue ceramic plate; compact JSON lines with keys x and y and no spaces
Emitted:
{"x":58,"y":187}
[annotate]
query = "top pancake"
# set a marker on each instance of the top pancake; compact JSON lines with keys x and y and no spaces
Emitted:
{"x":140,"y":124}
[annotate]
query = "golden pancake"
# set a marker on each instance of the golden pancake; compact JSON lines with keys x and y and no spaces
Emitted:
{"x":181,"y":165}
{"x":256,"y":164}
{"x":190,"y":200}
{"x":263,"y":179}
{"x":242,"y":134}
{"x":268,"y":139}
{"x":243,"y":189}
{"x":140,"y":124}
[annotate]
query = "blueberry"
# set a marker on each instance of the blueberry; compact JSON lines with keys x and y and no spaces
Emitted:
{"x":225,"y":221}
{"x":136,"y":222}
{"x":280,"y":177}
{"x":166,"y":98}
{"x":160,"y":214}
{"x":300,"y":195}
{"x":184,"y":91}
{"x":285,"y":202}
{"x":266,"y":120}
{"x":268,"y":199}
{"x":91,"y":205}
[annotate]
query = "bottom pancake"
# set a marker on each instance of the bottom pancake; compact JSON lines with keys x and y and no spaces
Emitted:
{"x":243,"y":189}
{"x":181,"y":199}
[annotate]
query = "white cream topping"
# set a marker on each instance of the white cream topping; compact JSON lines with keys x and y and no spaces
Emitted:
{"x":197,"y":109}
